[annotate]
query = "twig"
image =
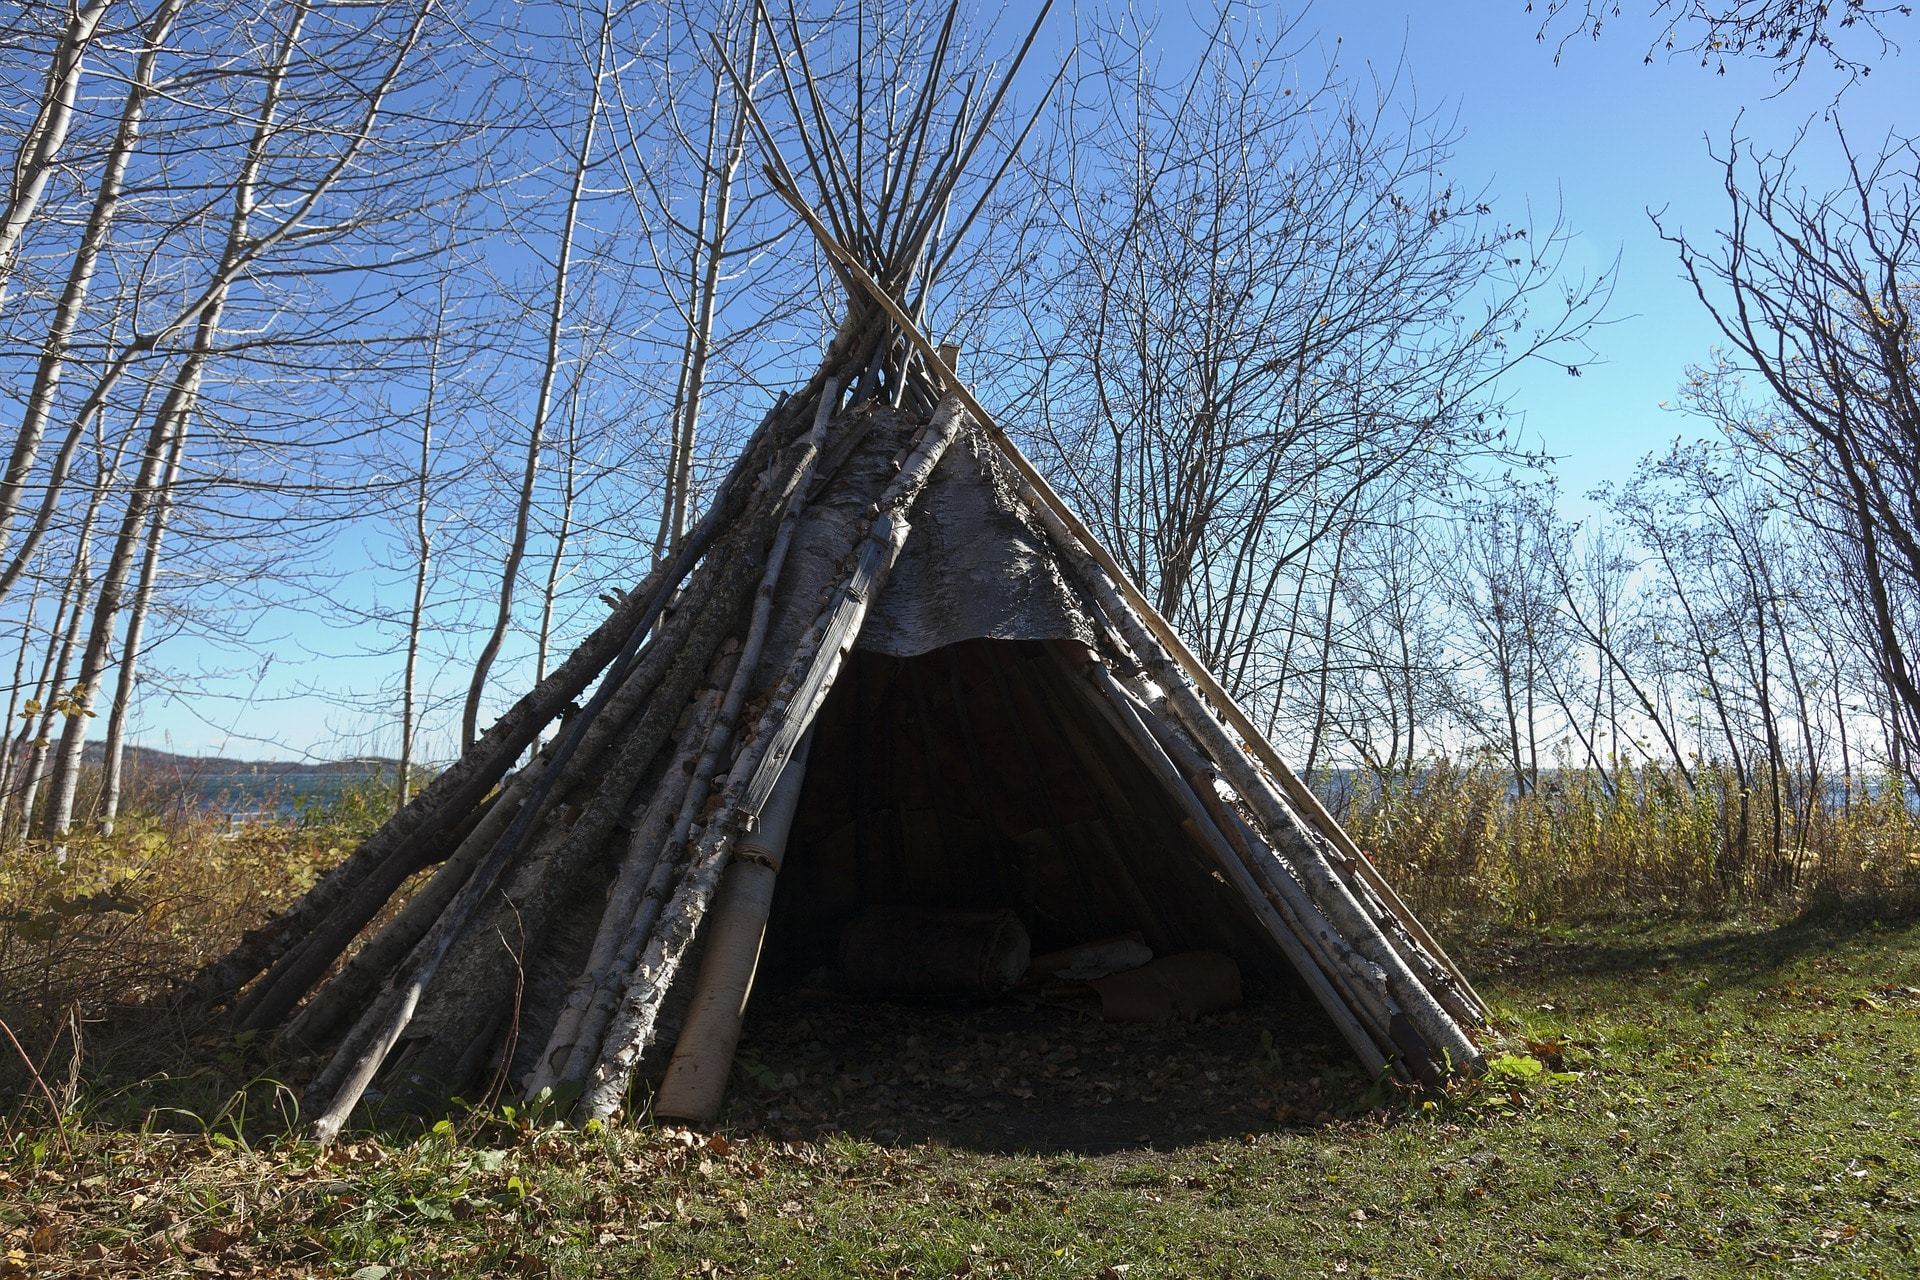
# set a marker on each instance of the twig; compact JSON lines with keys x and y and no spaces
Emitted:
{"x":58,"y":1129}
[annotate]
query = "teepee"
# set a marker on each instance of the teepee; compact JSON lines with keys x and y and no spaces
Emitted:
{"x":888,"y":658}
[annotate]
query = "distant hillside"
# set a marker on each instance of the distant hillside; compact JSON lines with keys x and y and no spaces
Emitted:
{"x":166,"y":779}
{"x":152,"y":758}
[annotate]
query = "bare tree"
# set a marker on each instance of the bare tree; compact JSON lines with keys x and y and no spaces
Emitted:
{"x":1815,"y":294}
{"x":244,"y":243}
{"x":1787,"y":33}
{"x":112,"y":764}
{"x":41,"y":145}
{"x":556,"y":319}
{"x":1502,"y":583}
{"x":1266,"y":318}
{"x":717,"y":149}
{"x":422,"y":549}
{"x":51,"y":364}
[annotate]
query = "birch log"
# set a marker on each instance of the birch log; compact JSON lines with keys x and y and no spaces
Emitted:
{"x":295,"y":972}
{"x":1278,"y":821}
{"x":485,"y":965}
{"x":811,"y":670}
{"x":348,"y":992}
{"x":418,"y":831}
{"x":481,"y":971}
{"x":696,"y":1078}
{"x":655,"y":849}
{"x":634,"y":883}
{"x":1290,"y":934}
{"x":1265,"y":862}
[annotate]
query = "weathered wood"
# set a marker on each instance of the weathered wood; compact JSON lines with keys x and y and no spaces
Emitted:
{"x":270,"y":1000}
{"x":1279,"y":822}
{"x":634,"y":873}
{"x":1359,"y":981}
{"x":706,"y":628}
{"x":419,"y":830}
{"x":346,"y":995}
{"x":1267,"y":864}
{"x":1289,"y":934}
{"x":267,"y":1003}
{"x":576,"y":1031}
{"x":811,"y":669}
{"x":696,"y":1078}
{"x":478,"y":970}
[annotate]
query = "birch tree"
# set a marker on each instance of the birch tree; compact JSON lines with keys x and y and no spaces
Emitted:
{"x":46,"y":136}
{"x":51,"y":365}
{"x":549,"y":372}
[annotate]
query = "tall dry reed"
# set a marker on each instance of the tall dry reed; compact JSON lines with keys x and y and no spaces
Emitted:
{"x":1459,"y":837}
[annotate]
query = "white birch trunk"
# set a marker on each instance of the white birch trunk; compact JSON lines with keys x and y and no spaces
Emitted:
{"x":810,"y":674}
{"x":543,"y":397}
{"x":422,"y":565}
{"x":47,"y":374}
{"x":165,"y":436}
{"x":9,"y":748}
{"x":112,"y":765}
{"x":47,"y":691}
{"x":40,"y":149}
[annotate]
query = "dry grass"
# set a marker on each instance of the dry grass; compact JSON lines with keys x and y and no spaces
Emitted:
{"x":119,"y":920}
{"x":1458,"y":840}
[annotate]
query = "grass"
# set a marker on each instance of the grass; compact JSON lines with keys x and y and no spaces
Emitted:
{"x":1675,"y":1097}
{"x":1718,"y":1083}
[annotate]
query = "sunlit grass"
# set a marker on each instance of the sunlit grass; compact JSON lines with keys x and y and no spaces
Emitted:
{"x":1695,"y":1075}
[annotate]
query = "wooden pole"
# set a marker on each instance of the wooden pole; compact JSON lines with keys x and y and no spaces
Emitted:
{"x":417,"y":833}
{"x":1283,"y":829}
{"x":660,"y":841}
{"x":810,"y":673}
{"x":696,"y":1079}
{"x":1288,"y":934}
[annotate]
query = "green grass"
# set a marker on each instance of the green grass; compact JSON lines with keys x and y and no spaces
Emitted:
{"x":1681,"y":1098}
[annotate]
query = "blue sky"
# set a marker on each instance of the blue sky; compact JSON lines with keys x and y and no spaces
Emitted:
{"x":1600,"y":136}
{"x":1608,"y":137}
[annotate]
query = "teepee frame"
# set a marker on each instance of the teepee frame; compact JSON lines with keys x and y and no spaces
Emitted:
{"x":566,"y":898}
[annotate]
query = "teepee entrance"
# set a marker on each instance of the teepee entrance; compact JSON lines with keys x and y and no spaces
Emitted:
{"x":969,"y":778}
{"x":967,"y":781}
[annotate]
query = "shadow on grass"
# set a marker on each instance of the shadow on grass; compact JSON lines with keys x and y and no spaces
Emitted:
{"x":1718,"y":954}
{"x":1006,"y":1077}
{"x":989,"y":1076}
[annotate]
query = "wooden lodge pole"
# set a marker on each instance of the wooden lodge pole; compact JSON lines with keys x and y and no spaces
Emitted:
{"x":811,"y":669}
{"x":696,"y":1078}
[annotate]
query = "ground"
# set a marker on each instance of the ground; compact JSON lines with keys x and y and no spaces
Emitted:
{"x":1674,"y":1098}
{"x":1009,"y":1077}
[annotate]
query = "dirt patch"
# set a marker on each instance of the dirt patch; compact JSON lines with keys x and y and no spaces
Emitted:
{"x":1013,"y":1075}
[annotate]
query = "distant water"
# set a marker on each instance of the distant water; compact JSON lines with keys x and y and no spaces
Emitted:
{"x":256,"y":796}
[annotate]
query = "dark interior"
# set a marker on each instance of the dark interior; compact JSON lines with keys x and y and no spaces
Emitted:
{"x":975,"y":776}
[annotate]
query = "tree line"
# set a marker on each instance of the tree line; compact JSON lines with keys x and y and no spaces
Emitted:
{"x":429,"y":325}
